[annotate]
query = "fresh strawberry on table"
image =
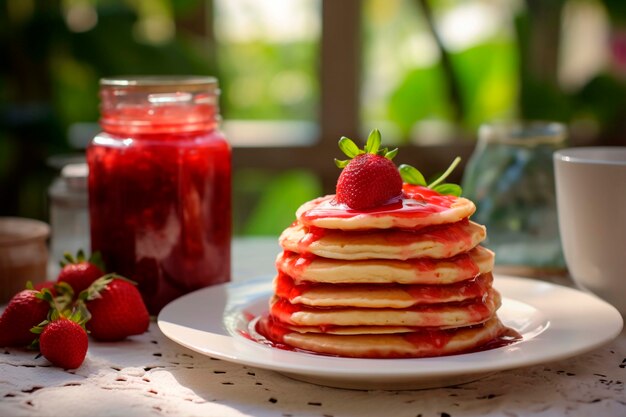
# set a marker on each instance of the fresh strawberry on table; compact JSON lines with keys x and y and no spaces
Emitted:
{"x":63,"y":339}
{"x":79,"y":272}
{"x":26,"y":309}
{"x":46,"y":284}
{"x":369,"y":178}
{"x":116,"y":307}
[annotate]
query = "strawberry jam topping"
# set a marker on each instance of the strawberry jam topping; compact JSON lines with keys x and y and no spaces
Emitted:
{"x":417,"y":201}
{"x":275,"y":335}
{"x":329,"y":208}
{"x":462,"y":262}
{"x":425,"y":194}
{"x":296,"y":265}
{"x":312,"y":235}
{"x":446,"y":233}
{"x":286,"y":287}
{"x":436,"y":338}
{"x":477,"y":310}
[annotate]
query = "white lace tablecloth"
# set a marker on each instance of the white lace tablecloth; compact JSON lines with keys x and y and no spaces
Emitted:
{"x":150,"y":375}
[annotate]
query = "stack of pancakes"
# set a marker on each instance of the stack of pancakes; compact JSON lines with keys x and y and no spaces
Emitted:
{"x":407,"y":280}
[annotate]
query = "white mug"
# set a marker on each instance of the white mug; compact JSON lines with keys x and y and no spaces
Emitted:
{"x":591,"y":204}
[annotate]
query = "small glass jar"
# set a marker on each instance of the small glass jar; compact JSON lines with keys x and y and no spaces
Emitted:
{"x":69,"y":213}
{"x":160,"y":185}
{"x":510,"y":177}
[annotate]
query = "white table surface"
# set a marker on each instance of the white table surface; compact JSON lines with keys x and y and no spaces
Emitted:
{"x":149,"y":375}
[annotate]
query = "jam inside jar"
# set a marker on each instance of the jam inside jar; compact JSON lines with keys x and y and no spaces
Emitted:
{"x":160,"y":185}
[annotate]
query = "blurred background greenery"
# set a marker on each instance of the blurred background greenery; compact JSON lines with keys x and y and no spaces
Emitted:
{"x":432,"y":71}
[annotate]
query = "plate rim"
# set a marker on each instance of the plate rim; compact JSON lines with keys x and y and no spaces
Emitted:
{"x":463,"y":366}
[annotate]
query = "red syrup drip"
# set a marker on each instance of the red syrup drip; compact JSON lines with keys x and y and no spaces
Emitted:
{"x":312,"y":235}
{"x":472,"y":288}
{"x":274,"y":333}
{"x":417,"y":192}
{"x":286,"y":288}
{"x":477,"y":308}
{"x":507,"y":337}
{"x":436,"y":338}
{"x":416,"y":201}
{"x":449,"y":234}
{"x":462,"y":261}
{"x":294,"y":262}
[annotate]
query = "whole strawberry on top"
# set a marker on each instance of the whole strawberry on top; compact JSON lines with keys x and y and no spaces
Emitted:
{"x":80,"y":272}
{"x":26,"y":309}
{"x":369,"y":178}
{"x":116,"y":307}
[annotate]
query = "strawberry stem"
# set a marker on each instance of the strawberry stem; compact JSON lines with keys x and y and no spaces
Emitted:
{"x":445,"y":174}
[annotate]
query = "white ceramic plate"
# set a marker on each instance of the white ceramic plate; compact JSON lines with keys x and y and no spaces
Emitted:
{"x":556,"y":322}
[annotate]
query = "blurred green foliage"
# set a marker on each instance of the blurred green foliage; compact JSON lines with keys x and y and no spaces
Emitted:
{"x":49,"y":81}
{"x":509,"y":71}
{"x":413,"y":81}
{"x":275,"y":198}
{"x":264,"y":81}
{"x":486,"y":75}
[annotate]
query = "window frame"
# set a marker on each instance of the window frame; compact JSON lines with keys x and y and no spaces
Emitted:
{"x":339,"y":109}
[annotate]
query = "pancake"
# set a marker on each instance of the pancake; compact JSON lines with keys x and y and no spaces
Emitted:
{"x":431,"y":342}
{"x":384,"y":271}
{"x":432,"y":242}
{"x":379,"y":295}
{"x":410,"y":213}
{"x":434,"y":315}
{"x":351,"y":330}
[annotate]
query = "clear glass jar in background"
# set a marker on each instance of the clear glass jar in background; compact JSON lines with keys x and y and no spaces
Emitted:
{"x":510,"y":177}
{"x":160,"y":185}
{"x":69,"y":214}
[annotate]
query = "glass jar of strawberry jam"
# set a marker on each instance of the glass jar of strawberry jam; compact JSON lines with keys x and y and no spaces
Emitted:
{"x":160,"y":185}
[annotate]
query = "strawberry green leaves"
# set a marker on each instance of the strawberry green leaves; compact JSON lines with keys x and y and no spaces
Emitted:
{"x":372,"y":146}
{"x":411,"y":175}
{"x":348,"y":147}
{"x":373,"y":142}
{"x":448,"y":189}
{"x":95,"y":258}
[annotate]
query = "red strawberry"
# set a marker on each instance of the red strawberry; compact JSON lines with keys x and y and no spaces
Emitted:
{"x":370,"y":179}
{"x":46,"y":284}
{"x":117,"y":309}
{"x":80,"y":272}
{"x":25,"y":310}
{"x":64,"y":343}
